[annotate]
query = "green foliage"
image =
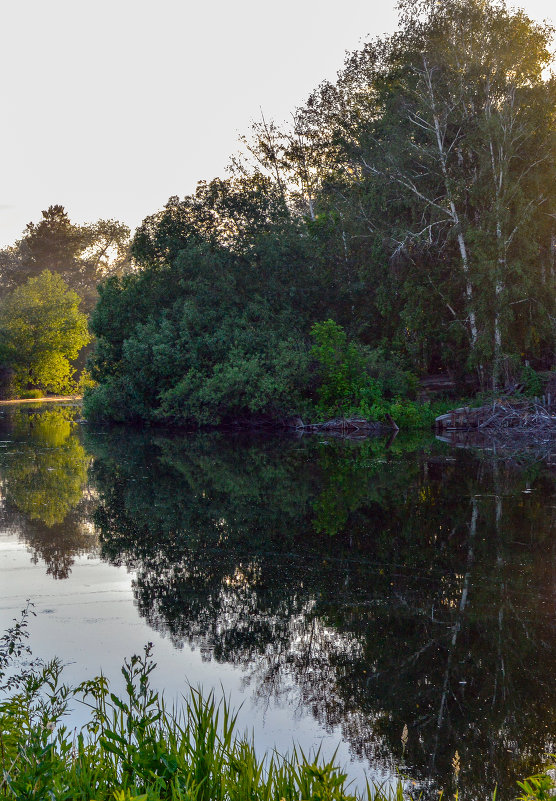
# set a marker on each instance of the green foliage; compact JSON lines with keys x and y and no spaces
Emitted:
{"x":31,"y":393}
{"x":7,"y":382}
{"x":540,"y":787}
{"x":15,"y":665}
{"x":42,"y":332}
{"x":344,"y":383}
{"x":409,"y":414}
{"x":80,"y":254}
{"x":428,"y":219}
{"x":532,"y":382}
{"x":214,"y":335}
{"x":396,"y":209}
{"x":133,"y":747}
{"x":353,"y":379}
{"x":85,"y":382}
{"x":393,"y":379}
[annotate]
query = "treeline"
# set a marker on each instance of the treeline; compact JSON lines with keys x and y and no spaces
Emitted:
{"x":82,"y":255}
{"x":403,"y":224}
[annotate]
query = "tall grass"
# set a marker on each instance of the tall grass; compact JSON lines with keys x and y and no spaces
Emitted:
{"x":133,"y":748}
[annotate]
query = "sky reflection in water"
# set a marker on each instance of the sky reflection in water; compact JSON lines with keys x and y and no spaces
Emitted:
{"x":339,"y":589}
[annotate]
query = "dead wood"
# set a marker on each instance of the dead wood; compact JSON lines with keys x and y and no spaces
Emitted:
{"x":506,"y":414}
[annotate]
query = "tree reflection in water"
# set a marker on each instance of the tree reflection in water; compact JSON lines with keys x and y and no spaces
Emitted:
{"x":375,"y":586}
{"x":44,"y":475}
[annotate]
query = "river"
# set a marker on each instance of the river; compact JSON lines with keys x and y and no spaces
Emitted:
{"x":336,"y":590}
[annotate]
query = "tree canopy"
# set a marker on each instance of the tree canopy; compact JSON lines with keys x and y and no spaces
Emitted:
{"x":210,"y":326}
{"x":42,"y":331}
{"x":82,"y":255}
{"x":412,"y":203}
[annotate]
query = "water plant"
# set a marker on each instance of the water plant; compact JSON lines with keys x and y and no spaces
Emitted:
{"x":134,"y":748}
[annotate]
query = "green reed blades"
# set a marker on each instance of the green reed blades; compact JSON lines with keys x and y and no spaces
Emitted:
{"x":135,"y":749}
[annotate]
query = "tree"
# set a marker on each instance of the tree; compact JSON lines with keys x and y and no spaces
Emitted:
{"x":53,"y":243}
{"x":481,"y":118}
{"x":426,"y":172}
{"x":412,"y":202}
{"x":439,"y":140}
{"x":213,"y":324}
{"x":83,"y":255}
{"x":42,"y":332}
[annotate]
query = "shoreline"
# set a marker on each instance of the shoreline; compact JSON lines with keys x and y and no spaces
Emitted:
{"x":46,"y":399}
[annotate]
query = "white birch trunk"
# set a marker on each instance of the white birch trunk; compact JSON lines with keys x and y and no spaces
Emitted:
{"x":453,"y":210}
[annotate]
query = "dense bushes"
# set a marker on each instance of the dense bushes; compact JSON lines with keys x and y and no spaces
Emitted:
{"x":203,"y":351}
{"x":193,"y":344}
{"x":205,"y":334}
{"x":354,"y":379}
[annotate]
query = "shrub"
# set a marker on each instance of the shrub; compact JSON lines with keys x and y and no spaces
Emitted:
{"x":393,"y":379}
{"x":134,"y":748}
{"x":345,"y":384}
{"x":194,"y":342}
{"x":532,"y":382}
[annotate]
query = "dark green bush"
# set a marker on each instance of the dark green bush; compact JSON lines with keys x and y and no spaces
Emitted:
{"x":532,"y":382}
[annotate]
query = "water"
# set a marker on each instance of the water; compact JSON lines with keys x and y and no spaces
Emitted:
{"x":338,"y":590}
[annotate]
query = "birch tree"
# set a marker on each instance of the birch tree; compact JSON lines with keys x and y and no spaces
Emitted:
{"x":440,"y":143}
{"x":477,"y":153}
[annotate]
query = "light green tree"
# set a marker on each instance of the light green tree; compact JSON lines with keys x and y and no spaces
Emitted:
{"x":42,"y":332}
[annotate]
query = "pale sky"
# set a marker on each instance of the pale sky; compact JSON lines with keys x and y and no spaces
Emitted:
{"x":109,"y":107}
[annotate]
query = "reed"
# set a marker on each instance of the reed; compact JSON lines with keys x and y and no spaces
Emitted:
{"x":134,"y":748}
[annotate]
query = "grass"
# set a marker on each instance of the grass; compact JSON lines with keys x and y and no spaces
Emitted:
{"x":135,"y":749}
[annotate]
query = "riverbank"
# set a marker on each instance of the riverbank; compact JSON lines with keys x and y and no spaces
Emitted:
{"x":45,"y":399}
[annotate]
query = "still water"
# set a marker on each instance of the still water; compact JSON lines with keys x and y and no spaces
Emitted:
{"x":337,"y":590}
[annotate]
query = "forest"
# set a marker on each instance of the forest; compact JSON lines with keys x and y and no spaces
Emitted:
{"x":401,"y":225}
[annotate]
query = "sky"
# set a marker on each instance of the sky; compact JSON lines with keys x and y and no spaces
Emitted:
{"x":109,"y":107}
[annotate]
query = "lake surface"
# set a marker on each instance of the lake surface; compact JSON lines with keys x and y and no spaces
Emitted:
{"x":338,"y":590}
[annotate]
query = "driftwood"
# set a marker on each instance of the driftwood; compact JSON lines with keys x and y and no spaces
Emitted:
{"x":342,"y":425}
{"x":503,"y":415}
{"x":353,"y":427}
